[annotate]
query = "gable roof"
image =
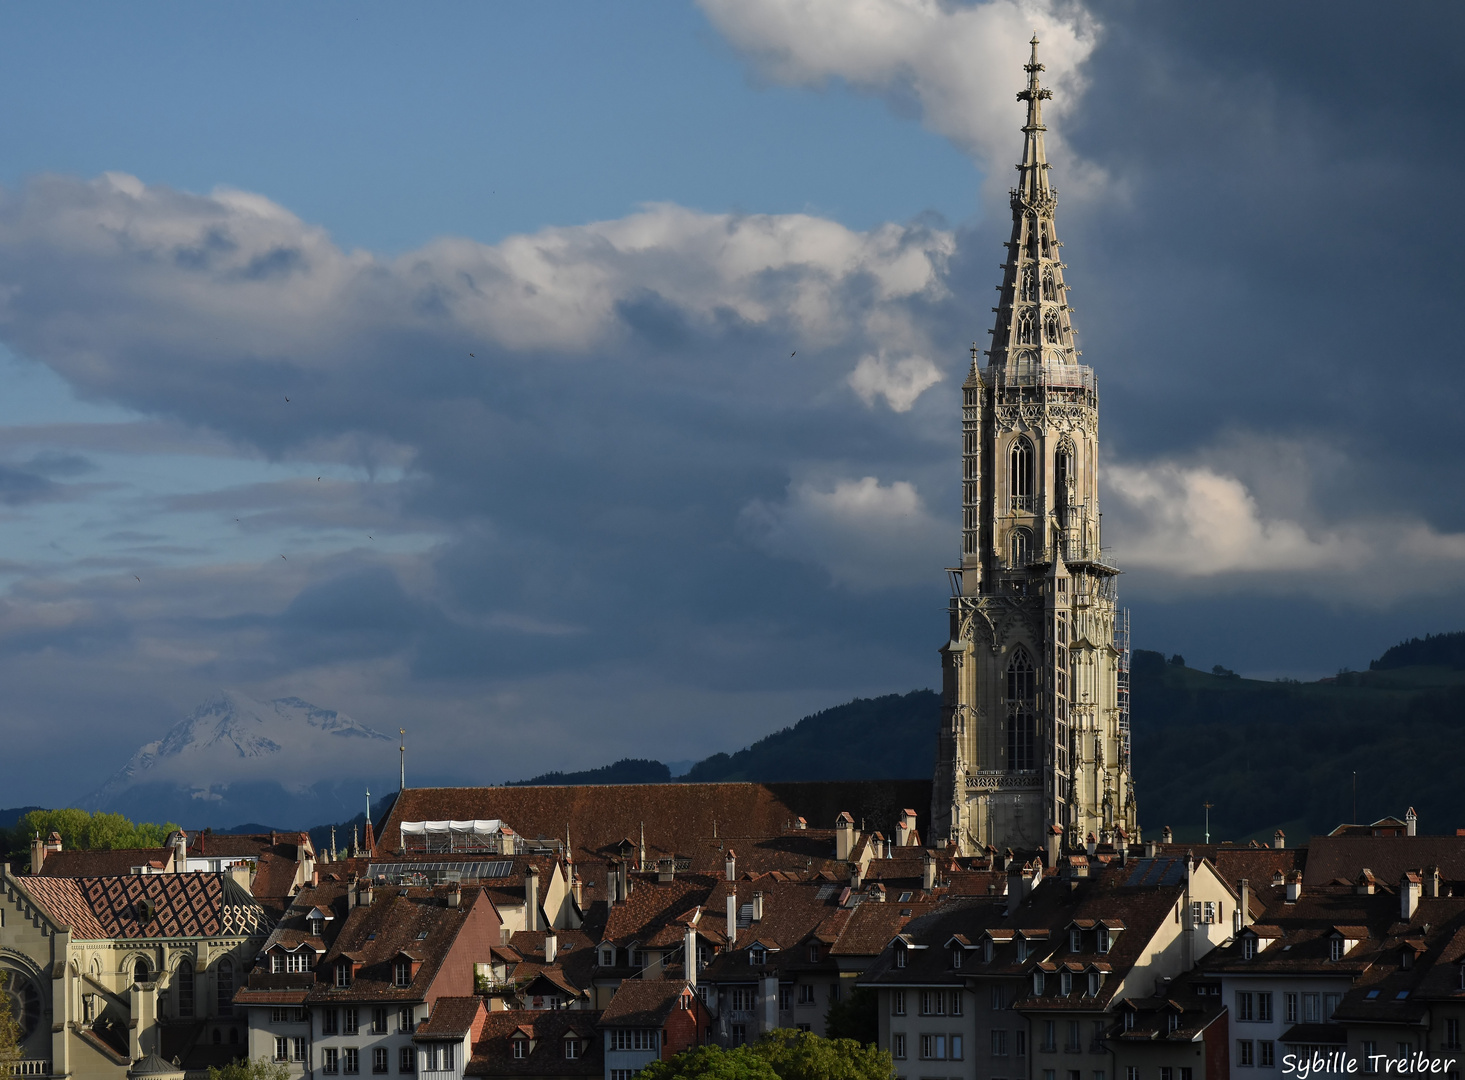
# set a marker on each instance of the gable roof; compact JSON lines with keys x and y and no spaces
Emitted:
{"x":643,"y":1003}
{"x":493,"y":1055}
{"x":105,"y":863}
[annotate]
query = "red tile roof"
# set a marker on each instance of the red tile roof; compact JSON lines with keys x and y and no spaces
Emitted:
{"x":113,"y":863}
{"x":176,"y":905}
{"x":644,"y":1003}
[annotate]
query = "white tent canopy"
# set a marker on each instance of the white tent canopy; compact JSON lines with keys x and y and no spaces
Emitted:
{"x":480,"y":826}
{"x":473,"y":834}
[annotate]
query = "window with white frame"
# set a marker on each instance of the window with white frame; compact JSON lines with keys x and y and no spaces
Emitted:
{"x":1245,"y":1053}
{"x":933,"y":1047}
{"x":330,"y":1060}
{"x":406,"y":1060}
{"x":897,"y":1003}
{"x":897,"y":1045}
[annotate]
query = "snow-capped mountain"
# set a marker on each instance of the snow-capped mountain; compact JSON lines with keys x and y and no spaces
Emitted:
{"x":285,"y":763}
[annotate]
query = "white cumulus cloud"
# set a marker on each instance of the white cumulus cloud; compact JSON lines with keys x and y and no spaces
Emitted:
{"x":960,"y":64}
{"x":899,"y":382}
{"x":865,"y":534}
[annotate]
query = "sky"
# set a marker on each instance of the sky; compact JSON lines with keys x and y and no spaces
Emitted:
{"x":572,"y":382}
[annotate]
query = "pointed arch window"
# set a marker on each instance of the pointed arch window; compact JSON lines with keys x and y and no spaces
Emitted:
{"x":1022,"y":699}
{"x":1052,"y":329}
{"x":1050,"y":287}
{"x":1063,"y":481}
{"x":1026,"y":293}
{"x":1020,"y":474}
{"x":224,"y":984}
{"x":1026,"y":329}
{"x":1021,"y":548}
{"x":185,"y":990}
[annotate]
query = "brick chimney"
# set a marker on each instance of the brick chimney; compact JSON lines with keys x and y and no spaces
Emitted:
{"x":1410,"y":887}
{"x":531,"y":898}
{"x":905,"y":829}
{"x":845,"y":836}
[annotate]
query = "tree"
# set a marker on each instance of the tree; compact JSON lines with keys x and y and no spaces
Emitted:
{"x":706,"y":1063}
{"x":261,"y":1068}
{"x":9,"y":1028}
{"x":81,"y":831}
{"x":855,"y":1017}
{"x":802,"y":1055}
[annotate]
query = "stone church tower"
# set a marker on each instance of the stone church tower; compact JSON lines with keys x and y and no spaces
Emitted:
{"x":1035,"y":709}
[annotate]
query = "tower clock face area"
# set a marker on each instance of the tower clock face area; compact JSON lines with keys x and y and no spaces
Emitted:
{"x":1034,"y":753}
{"x":24,"y":998}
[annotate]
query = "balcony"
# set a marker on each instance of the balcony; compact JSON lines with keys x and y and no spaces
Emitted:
{"x":30,"y":1067}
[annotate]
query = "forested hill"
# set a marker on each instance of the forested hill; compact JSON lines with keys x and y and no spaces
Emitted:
{"x":1267,"y":755}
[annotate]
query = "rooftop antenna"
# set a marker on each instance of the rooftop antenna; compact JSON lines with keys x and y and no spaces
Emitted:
{"x":402,"y":784}
{"x":1355,"y":796}
{"x":1208,"y":821}
{"x":333,"y":843}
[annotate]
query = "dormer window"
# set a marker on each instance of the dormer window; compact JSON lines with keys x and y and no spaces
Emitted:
{"x":956,"y":956}
{"x":813,"y":952}
{"x":277,"y":963}
{"x":1075,"y":940}
{"x":1128,"y":1019}
{"x":900,"y":954}
{"x":987,"y":951}
{"x":608,"y":957}
{"x":572,"y":1048}
{"x":1065,"y":983}
{"x":757,"y":955}
{"x":1172,"y":1022}
{"x":1248,"y":947}
{"x":1094,"y":979}
{"x":317,"y":927}
{"x":1022,"y":949}
{"x":402,"y":973}
{"x":1102,"y":936}
{"x":1040,"y":984}
{"x":343,"y":974}
{"x":1336,"y":949}
{"x":1406,"y":959}
{"x":521,"y":1047}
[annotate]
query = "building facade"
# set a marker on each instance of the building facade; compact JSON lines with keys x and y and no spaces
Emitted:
{"x":1035,"y":733}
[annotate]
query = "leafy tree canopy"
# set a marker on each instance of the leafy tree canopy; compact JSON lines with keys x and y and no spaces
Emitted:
{"x":251,"y":1069}
{"x":81,"y":831}
{"x":779,"y":1055}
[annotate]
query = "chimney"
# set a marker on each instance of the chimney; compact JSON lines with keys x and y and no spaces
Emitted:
{"x":1432,"y":882}
{"x":1294,"y":886}
{"x":731,"y":866}
{"x":877,"y":893}
{"x":1151,"y":849}
{"x":1411,"y":822}
{"x":1015,"y":891}
{"x":180,"y":851}
{"x":928,"y":871}
{"x":855,"y":880}
{"x":757,"y":907}
{"x":455,"y":897}
{"x":625,"y":884}
{"x":845,"y":836}
{"x":801,"y":824}
{"x":689,"y":955}
{"x":612,"y":883}
{"x":38,"y":853}
{"x":1363,"y":886}
{"x":577,"y":890}
{"x":1166,"y":836}
{"x":1245,"y":891}
{"x":366,"y":894}
{"x":531,"y":898}
{"x":1409,"y":888}
{"x":1121,"y":846}
{"x":994,"y":860}
{"x":551,"y":945}
{"x":1279,"y":840}
{"x":1055,"y":843}
{"x":1092,"y":845}
{"x":666,"y":868}
{"x":732,"y":918}
{"x":905,"y":829}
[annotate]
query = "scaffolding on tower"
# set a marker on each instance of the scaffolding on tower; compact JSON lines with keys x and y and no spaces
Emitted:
{"x":1121,"y":643}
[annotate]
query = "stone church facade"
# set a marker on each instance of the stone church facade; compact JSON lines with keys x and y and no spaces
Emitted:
{"x":1034,"y":745}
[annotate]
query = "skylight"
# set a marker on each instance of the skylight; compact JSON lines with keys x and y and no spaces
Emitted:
{"x":1401,"y":995}
{"x":1371,"y":994}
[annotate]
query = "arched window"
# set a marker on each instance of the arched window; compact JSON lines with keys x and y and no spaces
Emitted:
{"x":218,"y":1037}
{"x":185,"y":989}
{"x":140,"y":970}
{"x":1026,"y":332}
{"x":1022,"y":700}
{"x":1027,"y":290}
{"x":1050,"y":288}
{"x":1020,"y":474}
{"x":1021,"y":547}
{"x":224,"y":982}
{"x":24,"y":1000}
{"x":1051,"y":329}
{"x":1063,"y":481}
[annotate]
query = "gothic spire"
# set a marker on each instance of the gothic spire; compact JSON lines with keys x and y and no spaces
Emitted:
{"x":1032,"y":323}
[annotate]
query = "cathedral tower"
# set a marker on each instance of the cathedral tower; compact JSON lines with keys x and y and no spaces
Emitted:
{"x":1035,"y":710}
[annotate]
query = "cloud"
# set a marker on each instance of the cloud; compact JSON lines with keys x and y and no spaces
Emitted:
{"x":865,"y":534}
{"x":900,"y":382}
{"x":956,"y":65}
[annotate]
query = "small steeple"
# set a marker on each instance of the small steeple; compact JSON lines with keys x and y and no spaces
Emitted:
{"x":370,"y":840}
{"x":1033,"y":184}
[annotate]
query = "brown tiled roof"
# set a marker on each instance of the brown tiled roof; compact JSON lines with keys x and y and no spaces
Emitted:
{"x":643,"y":1003}
{"x":493,"y":1052}
{"x":182,"y":905}
{"x":412,"y":920}
{"x":1297,"y":935}
{"x":451,"y":1017}
{"x":244,"y":845}
{"x":677,"y":817}
{"x":114,"y":863}
{"x":1331,"y":857}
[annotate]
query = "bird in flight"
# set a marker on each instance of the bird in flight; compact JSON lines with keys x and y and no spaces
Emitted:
{"x":287,"y":399}
{"x":283,"y":557}
{"x":138,"y":578}
{"x":474,"y":357}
